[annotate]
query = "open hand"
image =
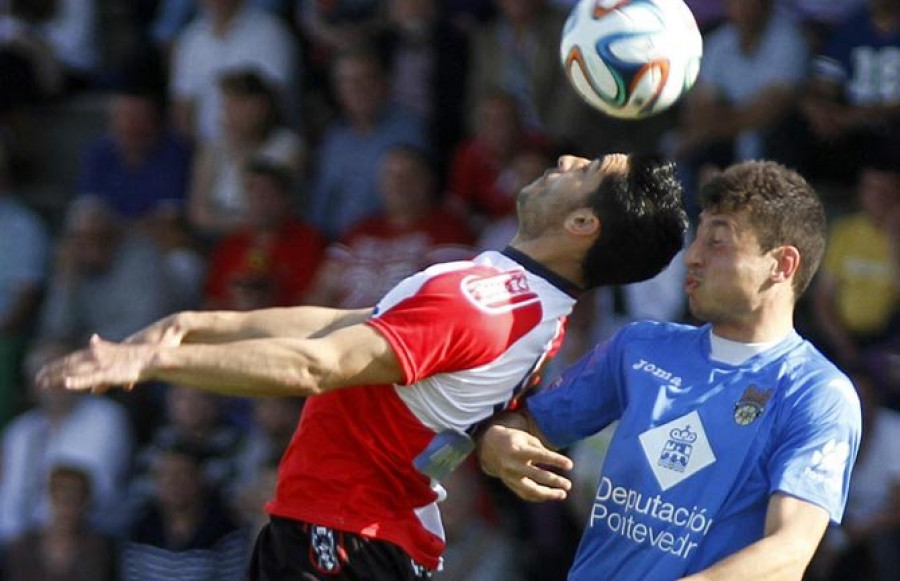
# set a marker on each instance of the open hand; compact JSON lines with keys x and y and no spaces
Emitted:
{"x":99,"y":367}
{"x":521,"y":461}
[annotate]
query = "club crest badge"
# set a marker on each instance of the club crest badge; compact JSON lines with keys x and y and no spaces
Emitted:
{"x":751,"y":405}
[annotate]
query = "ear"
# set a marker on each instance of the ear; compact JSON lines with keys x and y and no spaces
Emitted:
{"x":787,"y":261}
{"x":583,"y":222}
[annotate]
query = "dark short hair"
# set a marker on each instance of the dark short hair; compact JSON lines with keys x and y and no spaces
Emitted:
{"x":246,"y":82}
{"x":250,"y":82}
{"x":783,"y":209}
{"x":261,"y":165}
{"x":643,"y":222}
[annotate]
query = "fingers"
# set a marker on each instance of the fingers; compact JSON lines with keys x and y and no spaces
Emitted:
{"x":92,"y":369}
{"x":537,"y":454}
{"x":532,"y":492}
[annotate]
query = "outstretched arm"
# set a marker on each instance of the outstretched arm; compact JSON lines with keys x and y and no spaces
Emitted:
{"x":513,"y":449}
{"x":793,"y":530}
{"x":281,"y":366}
{"x":228,"y":326}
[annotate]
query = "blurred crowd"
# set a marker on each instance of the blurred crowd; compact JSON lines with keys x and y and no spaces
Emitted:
{"x":163,"y":155}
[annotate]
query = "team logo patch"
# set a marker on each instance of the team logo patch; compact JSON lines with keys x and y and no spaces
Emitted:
{"x":677,"y":450}
{"x":500,"y":292}
{"x":324,"y":550}
{"x":751,"y":405}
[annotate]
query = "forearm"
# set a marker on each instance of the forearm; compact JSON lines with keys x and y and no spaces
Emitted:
{"x":296,"y":322}
{"x":270,"y":367}
{"x":770,"y":559}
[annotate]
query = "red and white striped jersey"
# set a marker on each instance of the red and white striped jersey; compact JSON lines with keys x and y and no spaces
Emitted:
{"x":470,"y":337}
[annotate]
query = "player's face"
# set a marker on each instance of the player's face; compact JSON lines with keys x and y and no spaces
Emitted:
{"x":727,"y":271}
{"x":543,"y":203}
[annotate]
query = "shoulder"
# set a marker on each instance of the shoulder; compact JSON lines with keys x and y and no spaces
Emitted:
{"x":657,"y":331}
{"x":814,"y":386}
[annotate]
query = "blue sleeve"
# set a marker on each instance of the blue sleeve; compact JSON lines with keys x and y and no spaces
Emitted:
{"x":817,"y":444}
{"x":584,"y":399}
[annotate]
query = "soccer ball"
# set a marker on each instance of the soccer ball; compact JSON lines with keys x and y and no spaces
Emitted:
{"x":631,"y":58}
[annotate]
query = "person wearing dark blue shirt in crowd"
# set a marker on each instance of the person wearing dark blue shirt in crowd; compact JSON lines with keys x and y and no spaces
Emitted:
{"x":139,"y":163}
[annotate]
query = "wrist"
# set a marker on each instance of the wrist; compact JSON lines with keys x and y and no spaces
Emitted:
{"x":157,"y":359}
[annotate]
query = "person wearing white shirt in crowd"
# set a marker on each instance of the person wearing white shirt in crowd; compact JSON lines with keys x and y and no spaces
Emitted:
{"x":228,"y":34}
{"x":92,"y":433}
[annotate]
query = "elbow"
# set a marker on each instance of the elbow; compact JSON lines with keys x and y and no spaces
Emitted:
{"x":305,"y":380}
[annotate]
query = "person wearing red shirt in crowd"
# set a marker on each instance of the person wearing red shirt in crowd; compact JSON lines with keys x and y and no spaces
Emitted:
{"x":409,"y":235}
{"x":273,"y":258}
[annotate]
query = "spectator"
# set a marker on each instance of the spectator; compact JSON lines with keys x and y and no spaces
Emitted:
{"x":228,"y":34}
{"x":139,"y":163}
{"x":428,"y":58}
{"x":106,"y":280}
{"x":68,"y":548}
{"x":519,"y":54}
{"x":345,"y":188}
{"x":23,"y":267}
{"x":274,"y":420}
{"x":252,"y":128}
{"x":852,"y":104}
{"x":409,"y":235}
{"x":856,"y":301}
{"x":184,"y":532}
{"x":195,"y":419}
{"x":476,"y":189}
{"x":68,"y":428}
{"x":749,"y":80}
{"x":272,"y":260}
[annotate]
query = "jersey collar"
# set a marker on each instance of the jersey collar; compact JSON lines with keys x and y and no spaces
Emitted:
{"x":535,"y":267}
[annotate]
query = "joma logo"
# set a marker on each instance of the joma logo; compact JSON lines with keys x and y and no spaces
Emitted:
{"x":652,"y":369}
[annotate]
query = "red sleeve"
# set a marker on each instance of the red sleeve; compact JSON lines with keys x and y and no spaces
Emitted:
{"x":459,"y":320}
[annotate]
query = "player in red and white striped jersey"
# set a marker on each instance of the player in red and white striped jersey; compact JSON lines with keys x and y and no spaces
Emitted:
{"x":440,"y":353}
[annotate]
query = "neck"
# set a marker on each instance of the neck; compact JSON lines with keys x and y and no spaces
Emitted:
{"x":764,"y":324}
{"x":565,"y":263}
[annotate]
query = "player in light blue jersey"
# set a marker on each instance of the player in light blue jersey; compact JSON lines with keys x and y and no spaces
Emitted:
{"x":736,"y":439}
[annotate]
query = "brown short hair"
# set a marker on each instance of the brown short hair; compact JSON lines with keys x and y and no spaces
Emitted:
{"x":782,"y":207}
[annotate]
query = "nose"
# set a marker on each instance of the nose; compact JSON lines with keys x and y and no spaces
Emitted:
{"x":692,"y":254}
{"x":571,"y":162}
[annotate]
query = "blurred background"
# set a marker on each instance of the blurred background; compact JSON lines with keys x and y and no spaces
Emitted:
{"x":162,"y":155}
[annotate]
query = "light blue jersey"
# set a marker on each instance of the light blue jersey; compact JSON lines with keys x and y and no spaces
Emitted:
{"x":700,"y":447}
